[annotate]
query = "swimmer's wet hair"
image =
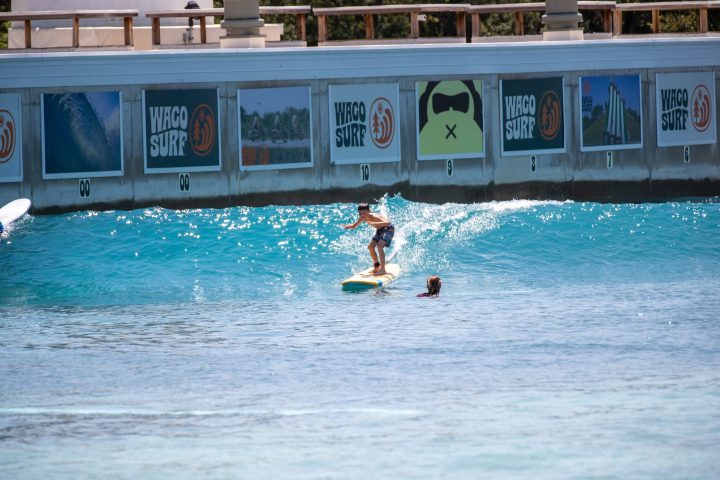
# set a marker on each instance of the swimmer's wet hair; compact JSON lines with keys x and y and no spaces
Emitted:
{"x":363,"y":206}
{"x":434,"y":284}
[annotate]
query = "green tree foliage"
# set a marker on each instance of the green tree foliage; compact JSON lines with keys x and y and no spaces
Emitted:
{"x":4,"y":7}
{"x":673,"y":21}
{"x":443,"y":24}
{"x":439,"y":25}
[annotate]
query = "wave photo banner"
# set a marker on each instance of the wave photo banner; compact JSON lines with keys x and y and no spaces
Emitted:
{"x":81,"y":134}
{"x":181,"y":130}
{"x":685,"y":105}
{"x":10,"y":138}
{"x":611,"y":113}
{"x":275,"y":128}
{"x":449,"y":119}
{"x":364,"y":123}
{"x":532,"y":116}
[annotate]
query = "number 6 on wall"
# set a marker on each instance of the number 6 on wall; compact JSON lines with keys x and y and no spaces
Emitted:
{"x":449,"y":167}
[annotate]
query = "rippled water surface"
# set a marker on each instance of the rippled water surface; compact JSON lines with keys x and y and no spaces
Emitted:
{"x":570,"y":341}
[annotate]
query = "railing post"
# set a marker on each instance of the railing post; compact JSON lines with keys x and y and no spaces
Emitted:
{"x":369,"y":27}
{"x":414,"y":24}
{"x":477,"y":26}
{"x":561,"y":20}
{"x":76,"y":32}
{"x":203,"y":29}
{"x":656,"y":21}
{"x":607,"y":21}
{"x":242,"y":24}
{"x":703,"y":20}
{"x":460,"y":24}
{"x":300,"y":32}
{"x":156,"y":30}
{"x":322,"y":29}
{"x":128,"y":25}
{"x":519,"y":24}
{"x":617,"y":23}
{"x":28,"y":34}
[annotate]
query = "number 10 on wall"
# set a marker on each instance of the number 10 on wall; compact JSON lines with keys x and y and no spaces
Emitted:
{"x":365,"y":173}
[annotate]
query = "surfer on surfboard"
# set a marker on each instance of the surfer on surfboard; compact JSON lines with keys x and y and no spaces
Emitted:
{"x":384,"y":231}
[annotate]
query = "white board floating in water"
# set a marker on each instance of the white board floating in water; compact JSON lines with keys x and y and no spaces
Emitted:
{"x":14,"y":210}
{"x":366,"y":279}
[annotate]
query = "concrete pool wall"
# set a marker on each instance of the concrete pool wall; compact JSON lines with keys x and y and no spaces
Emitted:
{"x":616,"y":173}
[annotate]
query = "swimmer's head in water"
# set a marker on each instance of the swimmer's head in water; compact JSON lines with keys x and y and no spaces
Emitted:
{"x":433,"y":285}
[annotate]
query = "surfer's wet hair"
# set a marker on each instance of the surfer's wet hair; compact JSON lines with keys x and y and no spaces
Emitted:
{"x":363,"y":206}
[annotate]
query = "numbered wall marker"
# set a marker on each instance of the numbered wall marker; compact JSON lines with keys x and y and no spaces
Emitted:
{"x":365,"y":173}
{"x":609,"y":160}
{"x":686,"y":154}
{"x":449,"y":168}
{"x":184,"y":182}
{"x":84,"y":187}
{"x":533,"y":163}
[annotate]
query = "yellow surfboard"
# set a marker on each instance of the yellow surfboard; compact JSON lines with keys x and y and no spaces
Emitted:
{"x":366,"y":279}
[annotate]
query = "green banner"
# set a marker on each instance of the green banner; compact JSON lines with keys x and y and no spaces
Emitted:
{"x":532,"y":116}
{"x":450,"y":119}
{"x":182,"y":133}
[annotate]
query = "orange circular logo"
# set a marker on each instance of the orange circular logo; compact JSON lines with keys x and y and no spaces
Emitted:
{"x":701,"y":110}
{"x":7,"y":136}
{"x":202,"y":130}
{"x":550,"y":115}
{"x":381,"y":123}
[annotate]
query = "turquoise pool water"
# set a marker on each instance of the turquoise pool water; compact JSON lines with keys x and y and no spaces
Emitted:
{"x":570,"y":341}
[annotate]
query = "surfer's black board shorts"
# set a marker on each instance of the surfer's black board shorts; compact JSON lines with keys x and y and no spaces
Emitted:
{"x":385,"y":234}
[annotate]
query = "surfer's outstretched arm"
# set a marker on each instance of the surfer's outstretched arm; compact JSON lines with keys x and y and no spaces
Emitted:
{"x":350,"y":226}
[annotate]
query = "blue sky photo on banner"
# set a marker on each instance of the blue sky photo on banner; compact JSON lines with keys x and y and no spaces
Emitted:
{"x":364,"y":123}
{"x":10,"y":138}
{"x":181,"y":130}
{"x":82,"y":134}
{"x":685,"y":108}
{"x":275,"y":128}
{"x":533,"y":116}
{"x":449,"y":119}
{"x":611,"y":113}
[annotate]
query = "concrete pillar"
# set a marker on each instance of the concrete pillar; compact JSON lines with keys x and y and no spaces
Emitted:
{"x":561,"y":20}
{"x":242,"y":23}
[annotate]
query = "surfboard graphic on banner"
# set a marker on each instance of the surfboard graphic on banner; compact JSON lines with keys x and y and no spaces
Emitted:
{"x":685,"y":108}
{"x":364,"y":123}
{"x":10,"y":138}
{"x":82,"y":134}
